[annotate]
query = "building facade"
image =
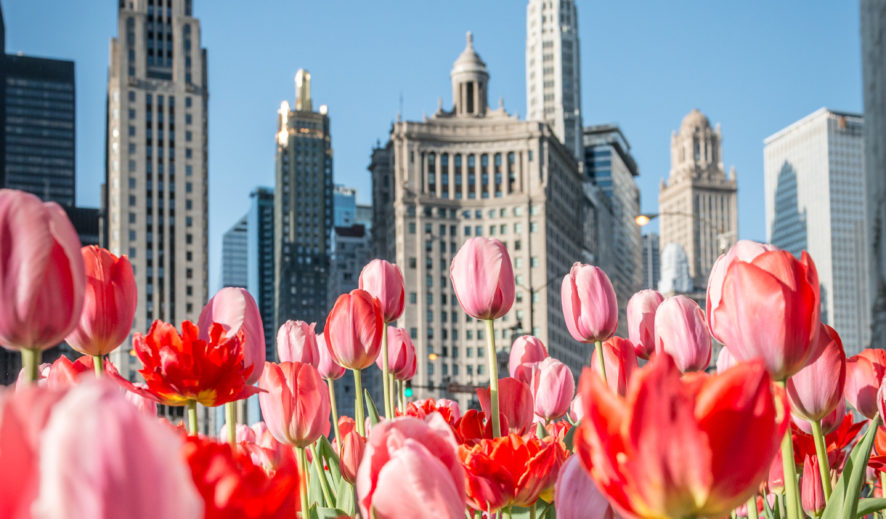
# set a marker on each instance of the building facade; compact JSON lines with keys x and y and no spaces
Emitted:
{"x":302,"y":208}
{"x":651,"y":260}
{"x":815,"y":201}
{"x":698,"y":204}
{"x":465,"y":172}
{"x":344,"y":201}
{"x":235,"y":257}
{"x":260,"y":262}
{"x":553,"y":73}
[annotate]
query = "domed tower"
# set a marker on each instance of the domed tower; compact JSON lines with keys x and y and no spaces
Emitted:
{"x":469,"y":82}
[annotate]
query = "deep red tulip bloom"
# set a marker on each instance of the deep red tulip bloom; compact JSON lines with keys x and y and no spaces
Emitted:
{"x":482,"y":278}
{"x":295,"y":404}
{"x":743,"y":250}
{"x":236,"y":310}
{"x":327,"y":366}
{"x":525,"y":352}
{"x":641,"y":321}
{"x":620,"y":360}
{"x":297,"y":342}
{"x":42,"y":276}
{"x":681,"y":331}
{"x":864,"y":374}
{"x":552,"y":388}
{"x":109,"y":303}
{"x":510,"y":470}
{"x":783,"y":336}
{"x":354,"y":329}
{"x":448,"y":409}
{"x":576,"y":494}
{"x":678,"y":447}
{"x":816,"y":389}
{"x":401,"y":354}
{"x":514,"y":402}
{"x":589,"y":304}
{"x":811,"y":491}
{"x":352,"y":447}
{"x":384,"y":281}
{"x":182,"y":367}
{"x":475,"y":426}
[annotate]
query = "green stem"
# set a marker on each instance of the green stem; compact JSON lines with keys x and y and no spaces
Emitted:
{"x":31,"y":364}
{"x":509,"y":513}
{"x":98,"y":363}
{"x":231,"y":422}
{"x":358,"y":403}
{"x":393,"y":391}
{"x":821,"y":451}
{"x":752,"y":508}
{"x":385,"y":369}
{"x":790,"y":472}
{"x":402,"y":396}
{"x":192,"y":417}
{"x":492,"y":360}
{"x":532,"y":510}
{"x":882,"y":485}
{"x":331,"y":384}
{"x":303,"y":484}
{"x":318,"y":468}
{"x":598,"y":351}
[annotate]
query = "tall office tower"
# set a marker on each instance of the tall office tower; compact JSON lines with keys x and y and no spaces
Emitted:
{"x":651,"y":261}
{"x":473,"y":171}
{"x":235,"y":257}
{"x":553,"y":75}
{"x":344,"y":201}
{"x":608,"y":164}
{"x":698,"y":203}
{"x":260,"y":261}
{"x":302,"y":208}
{"x":815,"y":201}
{"x":873,"y":56}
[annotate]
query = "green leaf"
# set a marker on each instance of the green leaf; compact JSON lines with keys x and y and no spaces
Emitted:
{"x":845,"y":497}
{"x":331,"y":459}
{"x":570,"y":438}
{"x":372,"y":411}
{"x":325,"y":513}
{"x":870,"y":505}
{"x":315,"y":491}
{"x":345,"y":493}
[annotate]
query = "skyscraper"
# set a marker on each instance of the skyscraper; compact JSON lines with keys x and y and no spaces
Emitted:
{"x":302,"y":208}
{"x":698,"y":202}
{"x":553,"y":74}
{"x":156,"y":177}
{"x":815,"y":201}
{"x":344,"y":201}
{"x":235,"y":264}
{"x":651,"y":261}
{"x":260,"y":261}
{"x":474,"y":171}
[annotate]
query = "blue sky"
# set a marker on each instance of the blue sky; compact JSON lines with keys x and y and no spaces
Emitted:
{"x":753,"y":66}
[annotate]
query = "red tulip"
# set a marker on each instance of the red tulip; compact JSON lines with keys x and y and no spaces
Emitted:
{"x":743,"y":250}
{"x":817,"y":389}
{"x":327,"y":366}
{"x":42,"y":276}
{"x":448,"y":409}
{"x":235,"y":309}
{"x":589,"y":304}
{"x":297,"y":342}
{"x":811,"y":492}
{"x":354,"y":329}
{"x":576,"y":494}
{"x":679,"y":447}
{"x":296,"y":405}
{"x":641,"y":321}
{"x":510,"y":470}
{"x":411,"y":468}
{"x":129,"y":469}
{"x":681,"y":331}
{"x":352,"y":447}
{"x":109,"y":303}
{"x":401,"y":354}
{"x":864,"y":374}
{"x":775,"y":478}
{"x":783,"y":335}
{"x":526,"y":351}
{"x":384,"y":281}
{"x":552,"y":388}
{"x":515,"y":403}
{"x":620,"y":360}
{"x":482,"y":278}
{"x":178,"y":368}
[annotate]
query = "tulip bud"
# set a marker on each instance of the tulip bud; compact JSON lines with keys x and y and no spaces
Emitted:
{"x":354,"y":329}
{"x":811,"y":492}
{"x":681,"y":332}
{"x":526,"y":351}
{"x":515,"y":403}
{"x":384,"y":281}
{"x":775,"y":479}
{"x":401,"y":354}
{"x":829,"y":422}
{"x":552,"y":388}
{"x":352,"y":447}
{"x":327,"y":367}
{"x":641,"y":321}
{"x":295,"y":403}
{"x":589,"y":304}
{"x":817,"y":389}
{"x":235,"y":309}
{"x":482,"y":278}
{"x":620,"y":361}
{"x":864,"y":374}
{"x":297,"y":342}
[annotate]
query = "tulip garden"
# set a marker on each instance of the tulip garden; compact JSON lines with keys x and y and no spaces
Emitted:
{"x":784,"y":426}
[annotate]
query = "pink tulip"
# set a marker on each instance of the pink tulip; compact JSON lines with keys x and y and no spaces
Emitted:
{"x":384,"y":281}
{"x":641,"y":321}
{"x":235,"y":310}
{"x":775,"y":477}
{"x":129,"y":470}
{"x":589,"y":304}
{"x":526,"y":351}
{"x":109,"y":303}
{"x":724,"y":360}
{"x":769,"y":310}
{"x":864,"y":375}
{"x":42,"y":276}
{"x":354,"y":329}
{"x":576,"y":411}
{"x":482,"y":278}
{"x":244,"y":433}
{"x":352,"y":448}
{"x":620,"y":360}
{"x":811,"y":491}
{"x":817,"y":389}
{"x":411,"y":469}
{"x":327,"y":366}
{"x":514,"y":403}
{"x":401,"y":354}
{"x":681,"y":331}
{"x":552,"y":388}
{"x":830,"y":422}
{"x":296,"y":403}
{"x":297,"y":342}
{"x":142,"y":402}
{"x":743,"y":250}
{"x":576,"y":495}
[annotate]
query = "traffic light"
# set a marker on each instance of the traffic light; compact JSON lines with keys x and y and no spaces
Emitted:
{"x":407,"y":392}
